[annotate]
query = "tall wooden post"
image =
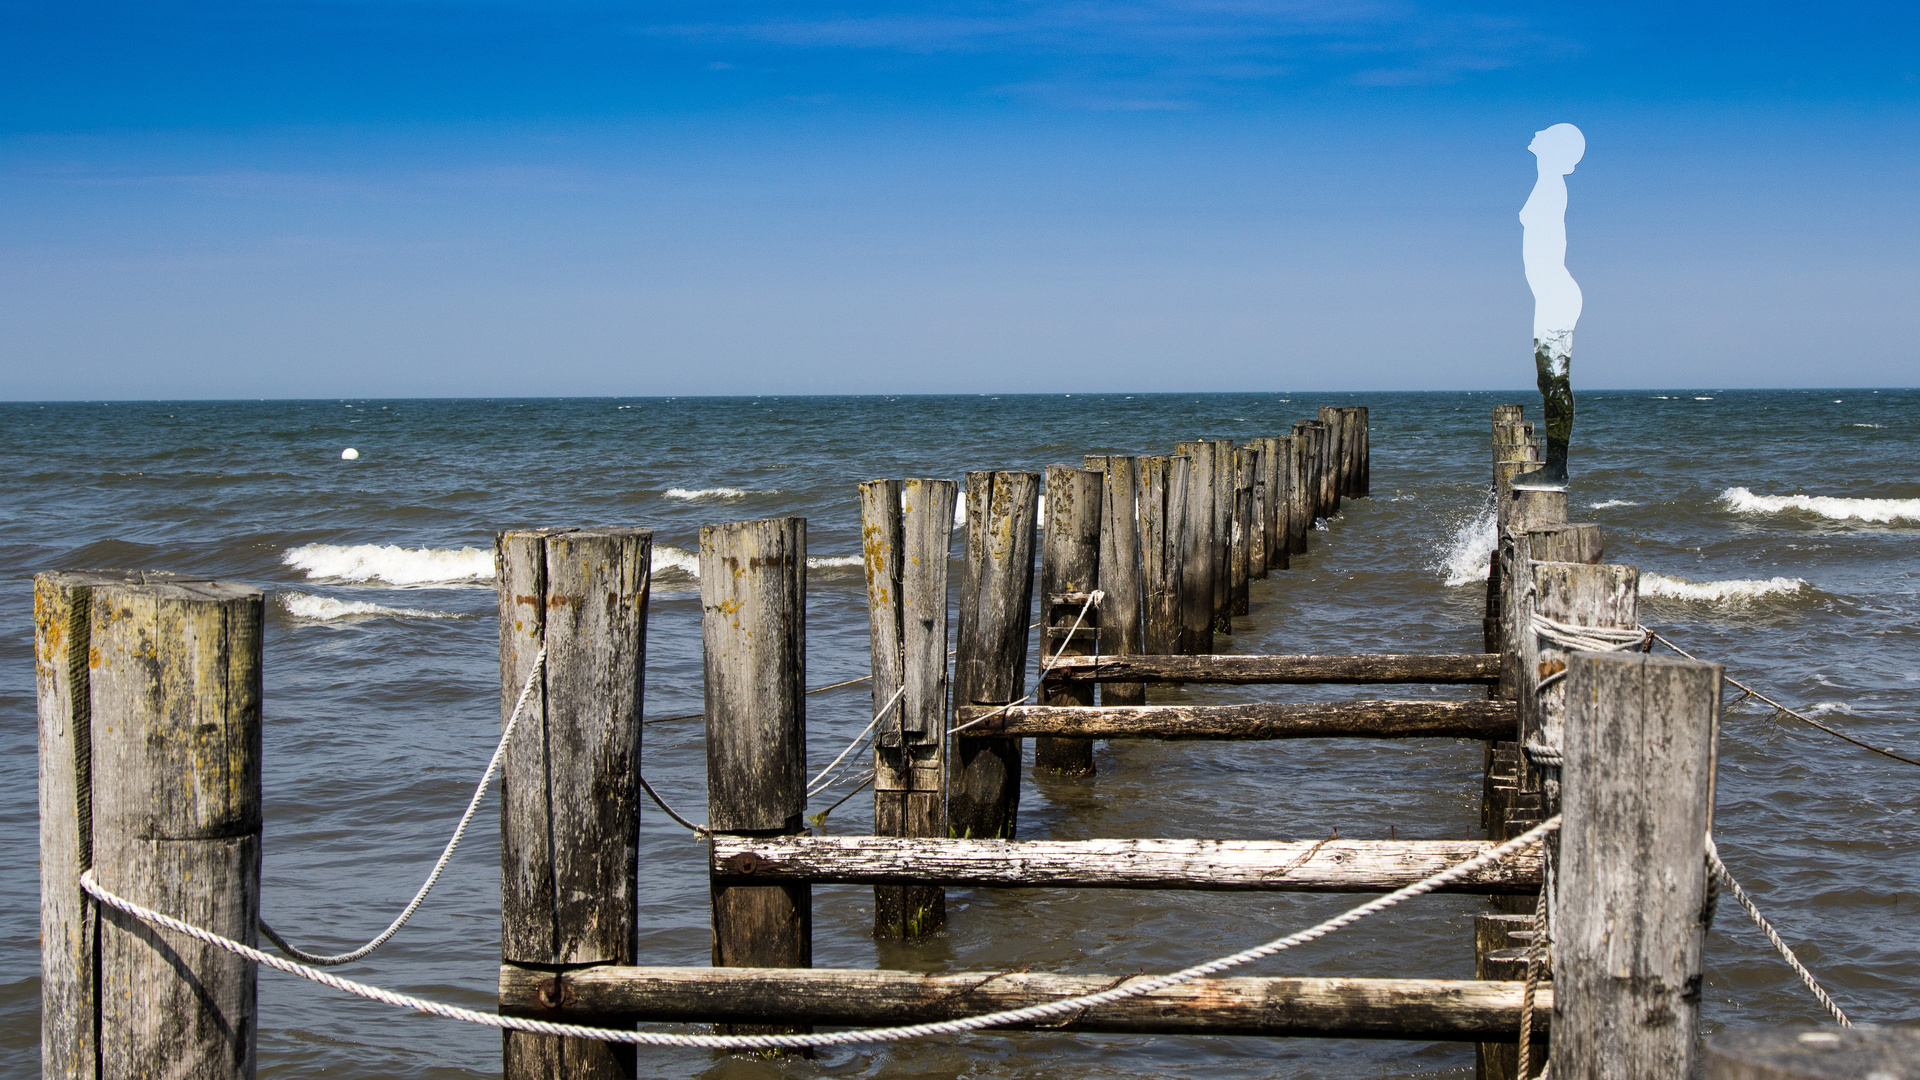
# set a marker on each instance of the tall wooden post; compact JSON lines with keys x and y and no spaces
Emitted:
{"x":1299,"y":490}
{"x":996,"y":602}
{"x":1363,"y":485}
{"x":1631,"y":892}
{"x":1338,"y":425}
{"x":569,"y":798}
{"x":1069,"y":575}
{"x":753,"y":599}
{"x":149,"y":700}
{"x":1260,"y":535}
{"x":1223,"y":481}
{"x":906,"y":531}
{"x":1161,"y":502}
{"x":1511,"y":456}
{"x":1199,"y":566}
{"x":1274,"y":469}
{"x":1122,"y":627}
{"x":1239,"y":560}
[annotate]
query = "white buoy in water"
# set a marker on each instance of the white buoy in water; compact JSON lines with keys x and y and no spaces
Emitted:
{"x":349,"y":454}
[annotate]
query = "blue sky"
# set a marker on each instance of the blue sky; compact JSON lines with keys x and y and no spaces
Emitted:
{"x":370,"y":198}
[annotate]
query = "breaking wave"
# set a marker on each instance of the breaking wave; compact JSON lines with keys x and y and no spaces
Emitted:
{"x":1737,"y":591}
{"x":390,"y":564}
{"x":326,"y":609}
{"x":1742,"y":501}
{"x":1463,"y":557}
{"x":709,"y":493}
{"x":1611,"y":503}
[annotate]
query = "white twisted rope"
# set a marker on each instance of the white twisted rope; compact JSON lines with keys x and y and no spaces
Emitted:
{"x":446,"y":854}
{"x":1590,"y":638}
{"x":1780,"y":946}
{"x":837,"y":1038}
{"x":814,"y":786}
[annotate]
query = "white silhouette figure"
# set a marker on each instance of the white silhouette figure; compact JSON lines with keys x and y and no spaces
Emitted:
{"x":1556,"y":296}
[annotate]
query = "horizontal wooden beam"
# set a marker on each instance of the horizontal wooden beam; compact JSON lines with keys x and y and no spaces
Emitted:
{"x":1459,"y":1010}
{"x":1342,"y":866}
{"x":1436,"y":668}
{"x":1256,"y":720}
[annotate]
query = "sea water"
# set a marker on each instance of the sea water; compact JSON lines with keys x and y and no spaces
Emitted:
{"x":1778,"y":532}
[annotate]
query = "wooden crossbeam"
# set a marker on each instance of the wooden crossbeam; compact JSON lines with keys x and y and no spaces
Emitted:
{"x":1343,"y":866}
{"x":1434,"y":668}
{"x":1256,"y":720}
{"x":1458,"y":1010}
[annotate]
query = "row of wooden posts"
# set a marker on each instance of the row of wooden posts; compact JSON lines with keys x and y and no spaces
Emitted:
{"x":150,"y":748}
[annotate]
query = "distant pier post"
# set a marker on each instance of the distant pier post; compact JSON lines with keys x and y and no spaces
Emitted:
{"x":1223,"y":488}
{"x":1199,"y":566}
{"x":149,"y":702}
{"x":1069,"y":574}
{"x":1161,"y":505}
{"x":570,"y":801}
{"x":906,"y":531}
{"x":996,"y":605}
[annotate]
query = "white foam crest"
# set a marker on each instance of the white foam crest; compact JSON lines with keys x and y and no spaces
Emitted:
{"x":1742,"y":501}
{"x":669,"y":560}
{"x":824,"y":562}
{"x":391,"y":564}
{"x":1736,"y":591}
{"x":710,"y":493}
{"x":1823,"y":708}
{"x":1464,"y":556}
{"x":1867,"y":425}
{"x":1611,"y":503}
{"x":326,"y":609}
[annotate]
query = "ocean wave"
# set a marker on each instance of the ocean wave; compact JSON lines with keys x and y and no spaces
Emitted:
{"x":1611,"y":503}
{"x":1742,"y":501}
{"x":711,"y":493}
{"x":828,"y":562}
{"x":326,"y":609}
{"x":1736,"y":591}
{"x":390,"y":564}
{"x":673,"y":566}
{"x":1867,"y":425}
{"x":1465,"y":555}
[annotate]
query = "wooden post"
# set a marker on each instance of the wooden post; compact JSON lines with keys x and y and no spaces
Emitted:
{"x":906,"y":532}
{"x":1260,"y":536}
{"x":1239,"y":559}
{"x":1363,"y":485}
{"x":1331,"y":416}
{"x":1223,"y":488}
{"x":1631,"y":892}
{"x":996,"y":602}
{"x":1510,"y":457}
{"x":1275,"y":469}
{"x":1122,"y":629}
{"x":1161,"y":505}
{"x":149,"y":701}
{"x":753,"y":599}
{"x":1069,"y":574}
{"x":569,"y":800}
{"x":1198,"y":566}
{"x":1299,"y":490}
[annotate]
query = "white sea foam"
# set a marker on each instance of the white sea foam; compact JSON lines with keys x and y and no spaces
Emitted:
{"x":708,"y":493}
{"x":1611,"y":503}
{"x":1823,"y":708}
{"x":1867,"y":425}
{"x":326,"y":609}
{"x":672,"y":565}
{"x":1464,"y":555}
{"x":390,"y":564}
{"x":1736,"y":591}
{"x":1742,"y":501}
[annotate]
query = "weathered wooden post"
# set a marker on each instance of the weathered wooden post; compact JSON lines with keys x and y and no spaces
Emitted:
{"x":996,"y":601}
{"x":1363,"y":484}
{"x":1122,"y":626}
{"x":1161,"y":504}
{"x":1274,"y":469}
{"x":1199,"y":568}
{"x":1339,"y":427}
{"x":1299,"y":490}
{"x":753,"y":600}
{"x":1631,"y":891}
{"x":149,"y":702}
{"x":1069,"y":575}
{"x":1510,"y":457}
{"x":1239,"y":558}
{"x":569,"y":795}
{"x":1223,"y":480}
{"x":1260,"y":536}
{"x":906,"y":531}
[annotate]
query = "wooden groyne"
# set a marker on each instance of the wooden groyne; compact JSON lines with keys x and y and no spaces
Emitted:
{"x":149,"y":714}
